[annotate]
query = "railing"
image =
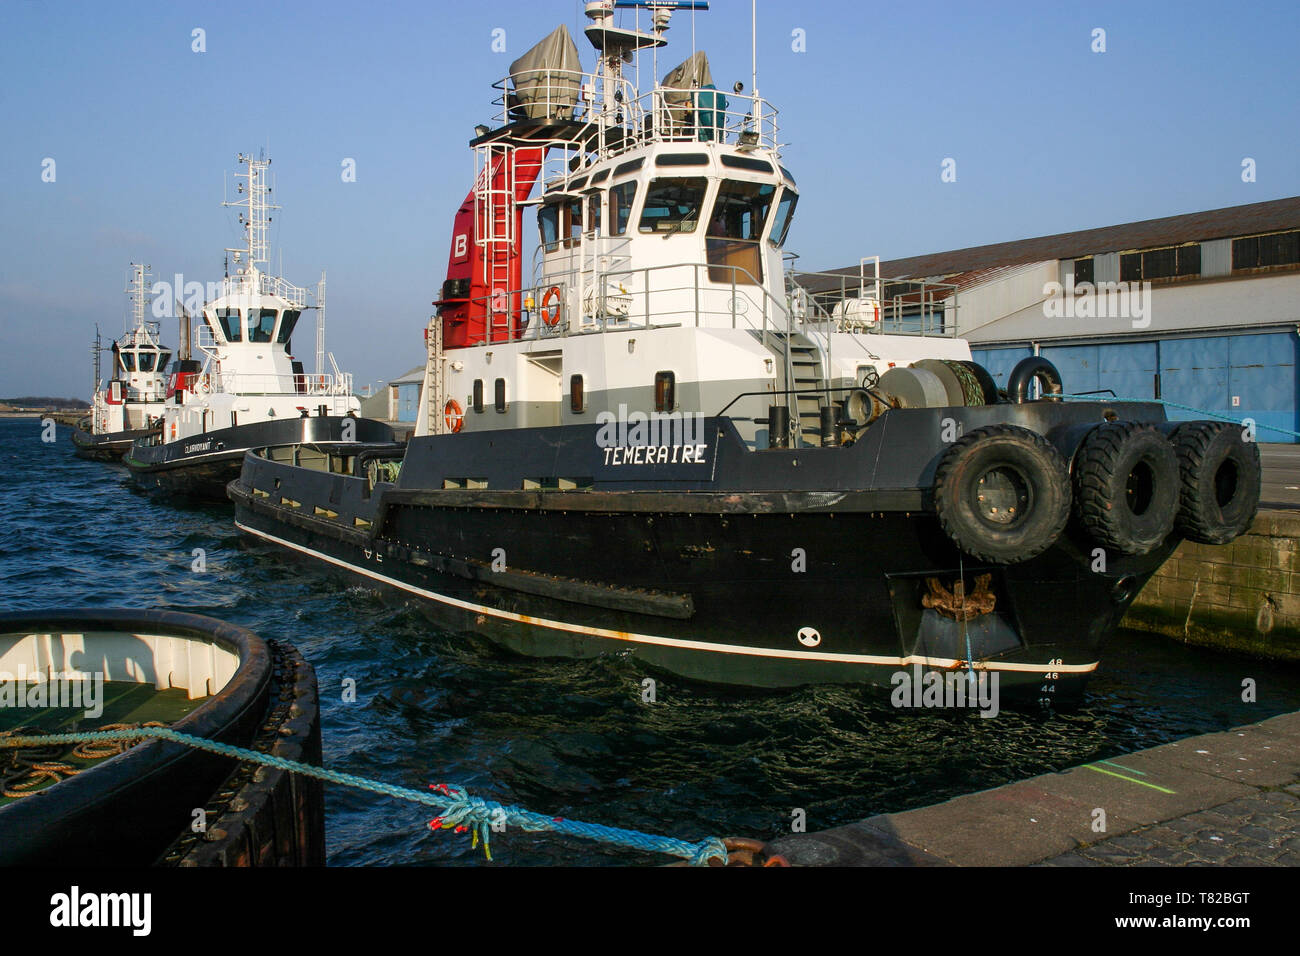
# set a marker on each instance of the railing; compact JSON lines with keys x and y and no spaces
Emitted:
{"x":270,"y":383}
{"x":263,"y":284}
{"x":628,"y":299}
{"x":624,"y":119}
{"x":684,"y":294}
{"x":907,"y":306}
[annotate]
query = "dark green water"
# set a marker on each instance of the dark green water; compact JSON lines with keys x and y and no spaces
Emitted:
{"x":570,"y":738}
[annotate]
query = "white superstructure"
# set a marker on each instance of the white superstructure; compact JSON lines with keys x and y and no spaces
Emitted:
{"x":249,"y":373}
{"x":659,"y":281}
{"x":132,"y":398}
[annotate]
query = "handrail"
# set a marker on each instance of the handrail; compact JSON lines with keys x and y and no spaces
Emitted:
{"x":624,"y":119}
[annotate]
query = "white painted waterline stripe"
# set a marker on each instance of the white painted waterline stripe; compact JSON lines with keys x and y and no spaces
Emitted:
{"x":937,"y":662}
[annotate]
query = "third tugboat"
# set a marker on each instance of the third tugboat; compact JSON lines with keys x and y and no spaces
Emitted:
{"x":663,"y":445}
{"x":130,"y":404}
{"x":250,"y":392}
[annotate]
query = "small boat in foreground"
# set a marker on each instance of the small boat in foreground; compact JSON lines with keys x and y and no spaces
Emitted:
{"x":105,"y":804}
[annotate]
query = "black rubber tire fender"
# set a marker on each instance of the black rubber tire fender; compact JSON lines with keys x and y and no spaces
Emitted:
{"x":1029,"y":368}
{"x":1219,"y":475}
{"x":989,"y":475}
{"x":1126,"y":486}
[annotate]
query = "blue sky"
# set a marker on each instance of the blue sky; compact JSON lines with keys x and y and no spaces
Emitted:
{"x":1048,"y":136}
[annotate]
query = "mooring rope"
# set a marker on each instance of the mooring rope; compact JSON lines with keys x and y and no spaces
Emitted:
{"x":1185,"y":408}
{"x":458,"y":810}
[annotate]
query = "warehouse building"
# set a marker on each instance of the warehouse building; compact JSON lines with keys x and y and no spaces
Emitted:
{"x":1201,"y":310}
{"x":398,"y":402}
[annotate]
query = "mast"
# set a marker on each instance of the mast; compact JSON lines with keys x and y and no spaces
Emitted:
{"x":96,"y":351}
{"x":137,"y":290}
{"x":320,"y":324}
{"x":254,"y":219}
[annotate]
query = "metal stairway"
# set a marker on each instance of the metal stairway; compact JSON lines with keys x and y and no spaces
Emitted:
{"x":801,"y":359}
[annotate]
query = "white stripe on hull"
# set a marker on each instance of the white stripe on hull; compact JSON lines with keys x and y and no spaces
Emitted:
{"x":942,"y":663}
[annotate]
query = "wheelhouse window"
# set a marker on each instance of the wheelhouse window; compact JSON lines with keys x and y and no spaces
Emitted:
{"x":146,"y":361}
{"x":163,"y":358}
{"x":739,"y":218}
{"x":548,"y":223}
{"x":784,"y":214}
{"x":673,"y":204}
{"x":573,"y":222}
{"x":261,"y":324}
{"x":128,"y":361}
{"x":230,"y":324}
{"x":620,"y":206}
{"x":287,"y":324}
{"x":593,"y":212}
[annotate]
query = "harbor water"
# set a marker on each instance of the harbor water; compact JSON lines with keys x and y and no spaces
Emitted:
{"x":570,"y":738}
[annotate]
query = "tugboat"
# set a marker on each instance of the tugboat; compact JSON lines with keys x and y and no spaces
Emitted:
{"x":130,"y":404}
{"x":250,"y":392}
{"x":663,"y":445}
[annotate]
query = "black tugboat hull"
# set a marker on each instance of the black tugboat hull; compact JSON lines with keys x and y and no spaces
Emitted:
{"x":736,"y":622}
{"x":747,"y":571}
{"x":200,"y":467}
{"x":107,"y":447}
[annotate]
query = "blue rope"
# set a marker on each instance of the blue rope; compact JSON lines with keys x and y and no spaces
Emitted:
{"x":1186,"y":408}
{"x":458,"y":810}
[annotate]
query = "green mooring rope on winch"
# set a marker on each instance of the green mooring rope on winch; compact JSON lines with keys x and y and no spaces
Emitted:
{"x":458,"y":810}
{"x":1187,"y":408}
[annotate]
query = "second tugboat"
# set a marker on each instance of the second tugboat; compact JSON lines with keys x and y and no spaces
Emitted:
{"x":129,"y":405}
{"x":250,"y":391}
{"x":665,"y":446}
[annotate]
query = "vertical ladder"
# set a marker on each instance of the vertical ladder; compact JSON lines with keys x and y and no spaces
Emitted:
{"x":434,"y":385}
{"x":494,"y":197}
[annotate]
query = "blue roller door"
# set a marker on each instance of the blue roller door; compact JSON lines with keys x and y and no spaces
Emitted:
{"x":1205,"y":373}
{"x":407,"y":400}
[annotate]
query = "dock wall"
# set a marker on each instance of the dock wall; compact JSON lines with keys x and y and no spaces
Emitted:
{"x":1243,"y":596}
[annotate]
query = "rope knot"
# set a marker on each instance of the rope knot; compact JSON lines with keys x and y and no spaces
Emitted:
{"x":710,"y":849}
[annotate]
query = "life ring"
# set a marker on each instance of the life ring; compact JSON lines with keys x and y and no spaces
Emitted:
{"x":1219,"y":475}
{"x":549,"y":316}
{"x":1002,"y":494}
{"x":453,"y":415}
{"x":1126,"y":486}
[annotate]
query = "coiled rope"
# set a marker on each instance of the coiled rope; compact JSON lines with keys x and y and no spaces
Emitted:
{"x":458,"y":810}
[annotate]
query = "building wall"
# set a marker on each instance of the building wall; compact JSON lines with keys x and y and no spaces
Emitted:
{"x":1246,"y":375}
{"x":1227,"y":346}
{"x":1217,"y":305}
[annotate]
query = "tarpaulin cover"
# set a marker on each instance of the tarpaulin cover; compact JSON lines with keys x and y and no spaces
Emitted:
{"x":547,"y":79}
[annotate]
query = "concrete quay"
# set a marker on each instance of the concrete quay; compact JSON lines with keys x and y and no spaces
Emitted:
{"x":1230,"y":798}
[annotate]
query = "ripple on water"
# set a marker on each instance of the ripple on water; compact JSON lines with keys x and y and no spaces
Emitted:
{"x":566,"y":737}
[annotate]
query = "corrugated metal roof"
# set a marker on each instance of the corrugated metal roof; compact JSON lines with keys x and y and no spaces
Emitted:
{"x":1272,"y":216}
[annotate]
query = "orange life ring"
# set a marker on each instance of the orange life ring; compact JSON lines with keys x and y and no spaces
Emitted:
{"x":551,"y":318}
{"x":453,"y":415}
